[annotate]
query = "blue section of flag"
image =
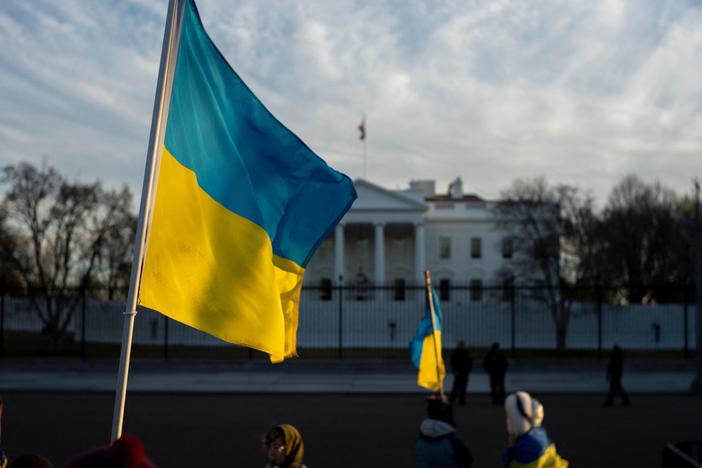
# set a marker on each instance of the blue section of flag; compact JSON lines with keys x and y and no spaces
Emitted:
{"x":243,"y":157}
{"x":424,"y":329}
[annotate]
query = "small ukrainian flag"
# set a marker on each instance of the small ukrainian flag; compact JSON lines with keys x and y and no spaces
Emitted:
{"x":425,"y":347}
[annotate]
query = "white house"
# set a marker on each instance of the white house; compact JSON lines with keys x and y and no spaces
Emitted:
{"x":389,"y":237}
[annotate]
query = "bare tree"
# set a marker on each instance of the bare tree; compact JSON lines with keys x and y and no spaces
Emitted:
{"x":644,"y":239}
{"x":54,"y":233}
{"x":549,"y":229}
{"x":115,"y":261}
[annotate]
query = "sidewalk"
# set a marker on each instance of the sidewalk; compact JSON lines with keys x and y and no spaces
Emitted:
{"x":369,"y":377}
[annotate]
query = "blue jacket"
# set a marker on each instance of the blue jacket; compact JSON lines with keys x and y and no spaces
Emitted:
{"x":438,"y":446}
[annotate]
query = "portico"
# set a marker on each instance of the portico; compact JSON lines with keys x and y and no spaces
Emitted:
{"x":379,"y":241}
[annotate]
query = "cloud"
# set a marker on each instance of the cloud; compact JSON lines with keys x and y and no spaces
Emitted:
{"x":581,"y":92}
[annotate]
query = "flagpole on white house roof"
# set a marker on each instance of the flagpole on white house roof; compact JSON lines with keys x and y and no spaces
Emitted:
{"x":362,"y":137}
{"x":430,"y":296}
{"x":169,"y":52}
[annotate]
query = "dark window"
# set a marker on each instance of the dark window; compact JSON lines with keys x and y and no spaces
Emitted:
{"x":325,"y":289}
{"x":399,"y":290}
{"x":476,"y":290}
{"x":507,"y":247}
{"x":444,"y":289}
{"x":444,"y":248}
{"x":476,"y":247}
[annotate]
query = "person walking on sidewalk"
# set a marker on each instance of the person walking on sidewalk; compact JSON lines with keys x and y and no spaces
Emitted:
{"x":438,"y":445}
{"x":461,"y":364}
{"x":615,"y":368}
{"x":495,"y":364}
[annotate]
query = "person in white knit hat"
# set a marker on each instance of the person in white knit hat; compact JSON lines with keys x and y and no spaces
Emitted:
{"x":529,"y":445}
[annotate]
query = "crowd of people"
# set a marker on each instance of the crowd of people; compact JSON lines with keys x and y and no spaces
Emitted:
{"x":437,"y":444}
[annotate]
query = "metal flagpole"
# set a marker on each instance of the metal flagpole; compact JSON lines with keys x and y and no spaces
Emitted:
{"x":169,"y":51}
{"x":365,"y":161}
{"x":427,"y":281}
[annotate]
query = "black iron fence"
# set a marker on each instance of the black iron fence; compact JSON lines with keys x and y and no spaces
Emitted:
{"x":373,"y":321}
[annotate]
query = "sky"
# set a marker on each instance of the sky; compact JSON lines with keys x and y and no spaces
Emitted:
{"x":581,"y":92}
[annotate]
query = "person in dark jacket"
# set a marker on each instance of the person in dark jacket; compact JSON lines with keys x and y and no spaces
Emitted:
{"x":438,"y":445}
{"x":461,"y":364}
{"x":615,"y":369}
{"x":495,"y":364}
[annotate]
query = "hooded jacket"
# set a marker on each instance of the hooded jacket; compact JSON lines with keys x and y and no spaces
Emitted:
{"x":438,"y":446}
{"x":531,"y":447}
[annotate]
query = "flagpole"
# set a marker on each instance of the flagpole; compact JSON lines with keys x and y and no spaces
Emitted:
{"x":362,"y":128}
{"x":365,"y":161}
{"x":169,"y":51}
{"x":427,"y":281}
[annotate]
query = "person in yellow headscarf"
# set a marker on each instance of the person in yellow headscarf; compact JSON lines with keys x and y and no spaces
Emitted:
{"x":284,"y":447}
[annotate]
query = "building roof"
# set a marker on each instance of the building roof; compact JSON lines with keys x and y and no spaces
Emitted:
{"x":446,"y":197}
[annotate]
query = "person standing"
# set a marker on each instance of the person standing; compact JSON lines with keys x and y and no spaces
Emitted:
{"x":615,"y":368}
{"x":461,"y":364}
{"x":438,"y":445}
{"x":495,"y":364}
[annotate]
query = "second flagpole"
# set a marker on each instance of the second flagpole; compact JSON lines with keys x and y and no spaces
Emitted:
{"x":430,"y":296}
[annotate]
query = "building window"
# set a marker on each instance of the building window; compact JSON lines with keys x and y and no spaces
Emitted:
{"x":476,"y":290}
{"x":444,"y":289}
{"x":325,"y":289}
{"x":399,"y":289}
{"x":476,"y":247}
{"x":507,"y":247}
{"x":444,"y":248}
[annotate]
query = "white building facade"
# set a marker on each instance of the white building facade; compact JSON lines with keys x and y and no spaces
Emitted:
{"x":389,"y":237}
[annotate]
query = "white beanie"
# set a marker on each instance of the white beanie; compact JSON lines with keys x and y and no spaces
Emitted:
{"x":523,"y":413}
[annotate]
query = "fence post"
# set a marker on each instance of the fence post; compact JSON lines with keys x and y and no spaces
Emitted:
{"x":599,"y":322}
{"x":2,"y":323}
{"x":514,"y":316}
{"x":165,"y":338}
{"x":82,"y":324}
{"x":341,"y":317}
{"x":686,"y":348}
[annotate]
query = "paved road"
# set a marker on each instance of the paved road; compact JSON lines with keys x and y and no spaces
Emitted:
{"x":321,"y":377}
{"x":223,"y":430}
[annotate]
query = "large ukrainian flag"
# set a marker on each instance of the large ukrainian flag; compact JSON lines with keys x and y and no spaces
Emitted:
{"x":241,"y":205}
{"x":431,"y":374}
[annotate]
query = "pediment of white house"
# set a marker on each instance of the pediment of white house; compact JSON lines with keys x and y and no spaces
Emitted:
{"x":374,"y":197}
{"x":377,"y":204}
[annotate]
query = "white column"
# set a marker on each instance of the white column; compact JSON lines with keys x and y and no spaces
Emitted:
{"x":419,"y":252}
{"x":379,"y":254}
{"x":338,"y":252}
